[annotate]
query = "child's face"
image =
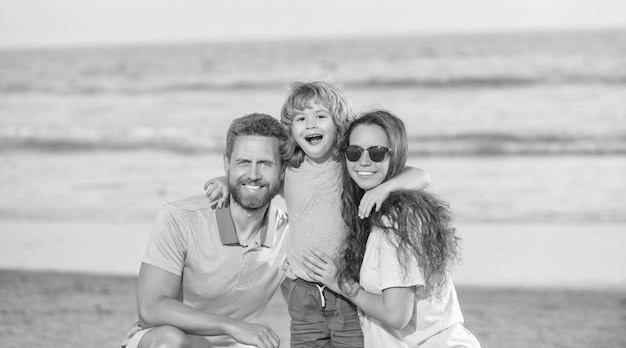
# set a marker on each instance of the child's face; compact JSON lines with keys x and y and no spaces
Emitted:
{"x":315,"y":131}
{"x":364,"y":171}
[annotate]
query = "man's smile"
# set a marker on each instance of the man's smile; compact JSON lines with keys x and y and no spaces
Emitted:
{"x":252,"y":186}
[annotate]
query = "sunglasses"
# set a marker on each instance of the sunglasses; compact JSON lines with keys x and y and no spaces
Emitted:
{"x":376,"y":153}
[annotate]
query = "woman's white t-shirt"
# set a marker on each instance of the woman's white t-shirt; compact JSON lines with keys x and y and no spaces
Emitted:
{"x":381,"y":270}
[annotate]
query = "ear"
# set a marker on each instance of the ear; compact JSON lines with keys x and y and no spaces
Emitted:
{"x":226,"y":163}
{"x":282,"y":172}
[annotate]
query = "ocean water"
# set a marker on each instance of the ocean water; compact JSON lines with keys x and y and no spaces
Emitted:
{"x":484,"y":113}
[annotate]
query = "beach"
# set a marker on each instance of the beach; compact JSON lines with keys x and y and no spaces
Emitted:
{"x":71,"y":274}
{"x":75,"y":284}
{"x":522,"y":133}
{"x":67,"y":309}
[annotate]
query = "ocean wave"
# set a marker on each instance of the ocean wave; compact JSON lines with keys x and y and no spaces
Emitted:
{"x":498,"y":144}
{"x":488,"y":81}
{"x":448,"y":61}
{"x":78,"y":145}
{"x":466,"y":144}
{"x":366,"y":83}
{"x":138,"y":138}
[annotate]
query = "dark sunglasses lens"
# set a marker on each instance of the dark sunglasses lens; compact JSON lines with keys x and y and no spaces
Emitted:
{"x":377,"y":154}
{"x":353,"y":153}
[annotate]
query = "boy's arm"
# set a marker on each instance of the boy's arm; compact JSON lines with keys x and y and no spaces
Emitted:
{"x":217,"y":191}
{"x":158,"y":305}
{"x":409,"y":178}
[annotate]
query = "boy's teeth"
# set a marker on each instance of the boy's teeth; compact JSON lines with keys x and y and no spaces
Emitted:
{"x":314,"y":139}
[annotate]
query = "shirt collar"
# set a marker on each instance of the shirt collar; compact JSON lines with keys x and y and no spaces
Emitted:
{"x":228,"y":234}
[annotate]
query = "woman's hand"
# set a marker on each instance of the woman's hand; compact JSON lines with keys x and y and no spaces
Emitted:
{"x":322,"y":268}
{"x":217,"y":191}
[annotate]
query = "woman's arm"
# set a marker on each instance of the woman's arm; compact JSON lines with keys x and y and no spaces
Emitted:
{"x":409,"y":178}
{"x":393,"y":308}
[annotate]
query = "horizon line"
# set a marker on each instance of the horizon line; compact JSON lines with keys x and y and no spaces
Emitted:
{"x":288,"y":38}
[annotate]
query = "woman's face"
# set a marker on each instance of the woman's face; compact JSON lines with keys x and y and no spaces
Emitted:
{"x":371,"y":140}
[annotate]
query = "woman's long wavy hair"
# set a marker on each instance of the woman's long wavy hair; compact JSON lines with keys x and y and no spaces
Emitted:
{"x":326,"y":92}
{"x":417,"y":222}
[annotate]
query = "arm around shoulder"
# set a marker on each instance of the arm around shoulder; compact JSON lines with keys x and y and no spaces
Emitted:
{"x":409,"y":178}
{"x":217,"y":191}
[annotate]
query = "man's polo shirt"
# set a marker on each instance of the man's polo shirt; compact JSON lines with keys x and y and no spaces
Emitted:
{"x":219,"y":275}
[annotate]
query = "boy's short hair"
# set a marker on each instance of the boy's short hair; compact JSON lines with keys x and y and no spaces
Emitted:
{"x":325,"y":92}
{"x":256,"y":124}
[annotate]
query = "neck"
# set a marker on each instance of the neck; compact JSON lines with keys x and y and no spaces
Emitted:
{"x":328,"y":157}
{"x":247,"y":222}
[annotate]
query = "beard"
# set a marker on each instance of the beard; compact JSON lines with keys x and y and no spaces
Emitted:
{"x":248,"y":200}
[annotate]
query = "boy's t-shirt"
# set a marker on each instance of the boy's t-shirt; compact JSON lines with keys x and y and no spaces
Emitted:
{"x":313,"y":200}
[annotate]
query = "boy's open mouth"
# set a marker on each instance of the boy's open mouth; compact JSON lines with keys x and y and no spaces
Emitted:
{"x":314,"y":138}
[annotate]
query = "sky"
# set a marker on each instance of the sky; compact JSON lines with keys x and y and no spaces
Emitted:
{"x":43,"y":23}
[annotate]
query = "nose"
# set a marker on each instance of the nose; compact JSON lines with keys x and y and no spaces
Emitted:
{"x":253,"y":173}
{"x":311,"y":124}
{"x":365,"y":158}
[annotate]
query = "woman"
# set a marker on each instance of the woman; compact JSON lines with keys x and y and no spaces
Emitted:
{"x":395,"y":264}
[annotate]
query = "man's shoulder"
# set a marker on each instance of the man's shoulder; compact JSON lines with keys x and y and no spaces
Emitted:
{"x":279,"y":211}
{"x":201,"y":203}
{"x":277,"y":204}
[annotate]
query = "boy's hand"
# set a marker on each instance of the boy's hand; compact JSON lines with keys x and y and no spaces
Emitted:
{"x":373,"y":198}
{"x":410,"y":178}
{"x":217,"y":191}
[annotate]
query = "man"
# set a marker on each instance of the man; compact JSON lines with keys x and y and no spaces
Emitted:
{"x":207,"y":274}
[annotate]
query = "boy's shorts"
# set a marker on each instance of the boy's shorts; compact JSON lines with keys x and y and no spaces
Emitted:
{"x":134,"y":336}
{"x":320,"y":317}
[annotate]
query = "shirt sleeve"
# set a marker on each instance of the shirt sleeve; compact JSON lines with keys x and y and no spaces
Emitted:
{"x":392,"y":273}
{"x":167,"y":245}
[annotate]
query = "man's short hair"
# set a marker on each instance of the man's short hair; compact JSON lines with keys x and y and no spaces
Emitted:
{"x":256,"y":124}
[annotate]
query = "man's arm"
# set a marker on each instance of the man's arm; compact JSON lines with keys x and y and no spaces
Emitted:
{"x":409,"y":178}
{"x":158,"y":306}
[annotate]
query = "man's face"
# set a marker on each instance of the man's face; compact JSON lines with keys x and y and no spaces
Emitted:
{"x":254,"y":170}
